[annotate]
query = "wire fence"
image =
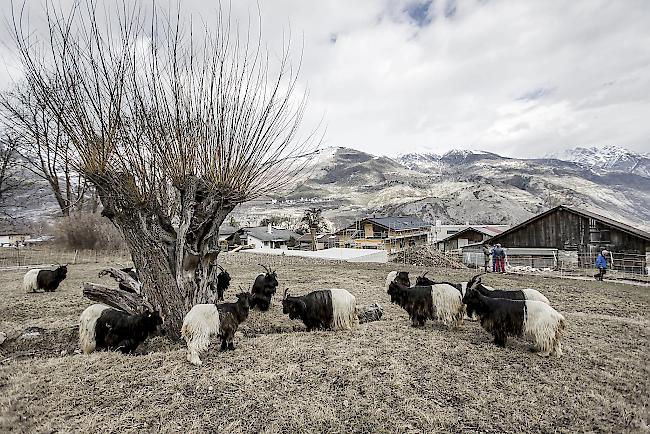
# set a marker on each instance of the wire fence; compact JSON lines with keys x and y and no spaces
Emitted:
{"x":50,"y":255}
{"x":626,"y":266}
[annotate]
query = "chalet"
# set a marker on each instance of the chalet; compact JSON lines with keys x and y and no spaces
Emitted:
{"x":386,"y":233}
{"x":577,"y":235}
{"x":468,"y":236}
{"x":267,"y":237}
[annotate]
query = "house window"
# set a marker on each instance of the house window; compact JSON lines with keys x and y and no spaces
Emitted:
{"x":604,"y":236}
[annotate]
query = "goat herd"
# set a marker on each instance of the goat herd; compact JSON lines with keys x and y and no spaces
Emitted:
{"x":502,"y":313}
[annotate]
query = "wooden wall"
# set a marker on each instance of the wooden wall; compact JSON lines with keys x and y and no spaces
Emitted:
{"x":565,"y":230}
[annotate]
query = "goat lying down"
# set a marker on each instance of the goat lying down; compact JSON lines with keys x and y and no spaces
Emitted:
{"x":439,"y":302}
{"x":332,"y":309}
{"x":102,"y":327}
{"x":505,"y":317}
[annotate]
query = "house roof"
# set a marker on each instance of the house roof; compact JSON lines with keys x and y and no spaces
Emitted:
{"x":227,"y":230}
{"x":397,"y":223}
{"x":485,"y":230}
{"x":585,"y":213}
{"x":262,"y":233}
{"x":319,"y":237}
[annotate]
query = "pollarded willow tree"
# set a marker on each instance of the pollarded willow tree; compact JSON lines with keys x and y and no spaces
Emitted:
{"x":174,"y":127}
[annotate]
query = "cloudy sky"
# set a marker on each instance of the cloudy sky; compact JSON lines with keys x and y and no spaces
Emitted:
{"x":520,"y":78}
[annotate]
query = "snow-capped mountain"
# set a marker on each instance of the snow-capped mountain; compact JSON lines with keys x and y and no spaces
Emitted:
{"x":456,"y":187}
{"x":610,"y":158}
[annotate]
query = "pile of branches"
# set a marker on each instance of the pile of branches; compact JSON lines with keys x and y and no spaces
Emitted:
{"x":425,"y":256}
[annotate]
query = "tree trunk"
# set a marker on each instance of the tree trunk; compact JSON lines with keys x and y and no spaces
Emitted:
{"x":177,"y":265}
{"x":313,"y":238}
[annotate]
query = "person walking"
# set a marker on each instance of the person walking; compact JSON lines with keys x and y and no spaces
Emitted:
{"x":486,"y":256}
{"x":601,"y":264}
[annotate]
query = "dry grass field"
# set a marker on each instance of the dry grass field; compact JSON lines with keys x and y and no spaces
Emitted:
{"x":381,"y":377}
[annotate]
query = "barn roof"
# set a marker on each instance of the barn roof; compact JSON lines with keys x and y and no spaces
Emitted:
{"x":585,"y":213}
{"x":485,"y":230}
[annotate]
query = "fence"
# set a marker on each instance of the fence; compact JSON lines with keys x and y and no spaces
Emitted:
{"x":26,"y":256}
{"x":619,"y":265}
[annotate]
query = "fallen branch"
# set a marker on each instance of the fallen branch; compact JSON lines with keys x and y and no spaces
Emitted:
{"x":126,"y":282}
{"x":127,"y":301}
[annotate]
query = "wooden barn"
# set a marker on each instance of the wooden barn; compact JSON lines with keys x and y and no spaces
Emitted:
{"x":579,"y":234}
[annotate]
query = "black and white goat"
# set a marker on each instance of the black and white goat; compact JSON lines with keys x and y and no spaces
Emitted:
{"x":206,"y":320}
{"x":102,"y":327}
{"x":511,"y":294}
{"x":396,"y":276}
{"x":505,"y":317}
{"x":264,"y":288}
{"x":44,"y":280}
{"x":223,"y":282}
{"x":332,"y":309}
{"x":440,"y":301}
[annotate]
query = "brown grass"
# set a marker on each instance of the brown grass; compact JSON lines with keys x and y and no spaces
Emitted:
{"x":381,"y":377}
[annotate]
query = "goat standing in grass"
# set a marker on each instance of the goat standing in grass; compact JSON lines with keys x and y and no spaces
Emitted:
{"x":44,"y":280}
{"x":441,"y":301}
{"x":331,"y":309}
{"x":206,"y":320}
{"x":505,"y":317}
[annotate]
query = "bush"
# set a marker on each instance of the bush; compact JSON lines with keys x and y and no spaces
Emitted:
{"x":88,"y":231}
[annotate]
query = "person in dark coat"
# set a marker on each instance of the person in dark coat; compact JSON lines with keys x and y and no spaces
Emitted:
{"x":486,"y":256}
{"x":601,"y":264}
{"x":499,"y":257}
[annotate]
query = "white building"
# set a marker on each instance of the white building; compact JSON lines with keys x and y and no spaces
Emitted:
{"x":268,"y":237}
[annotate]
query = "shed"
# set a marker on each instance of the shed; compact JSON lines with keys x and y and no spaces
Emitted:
{"x":578,"y":235}
{"x":467,"y":236}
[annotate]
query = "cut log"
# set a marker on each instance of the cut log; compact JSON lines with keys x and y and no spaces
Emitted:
{"x":127,"y":301}
{"x":126,"y":282}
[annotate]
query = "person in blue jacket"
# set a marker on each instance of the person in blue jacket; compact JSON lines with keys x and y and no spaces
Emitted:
{"x":601,"y":264}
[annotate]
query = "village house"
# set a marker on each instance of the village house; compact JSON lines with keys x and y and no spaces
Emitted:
{"x":386,"y":233}
{"x":267,"y":237}
{"x":11,"y":237}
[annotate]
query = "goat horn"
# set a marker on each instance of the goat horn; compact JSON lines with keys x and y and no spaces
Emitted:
{"x":265,"y":268}
{"x":220,"y":268}
{"x":425,"y":273}
{"x":284,"y":297}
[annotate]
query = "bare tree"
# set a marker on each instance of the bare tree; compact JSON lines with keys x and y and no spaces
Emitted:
{"x":12,"y":182}
{"x":174,"y":127}
{"x":43,"y":145}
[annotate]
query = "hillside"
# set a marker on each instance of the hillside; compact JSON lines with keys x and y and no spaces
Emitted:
{"x":458,"y":187}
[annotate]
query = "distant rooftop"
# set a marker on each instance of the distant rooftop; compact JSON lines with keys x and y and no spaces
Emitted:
{"x":396,"y":223}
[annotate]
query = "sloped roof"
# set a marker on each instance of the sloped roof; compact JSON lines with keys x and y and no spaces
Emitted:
{"x":489,"y":231}
{"x":262,"y":233}
{"x":227,"y":230}
{"x":585,"y":213}
{"x":397,"y":223}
